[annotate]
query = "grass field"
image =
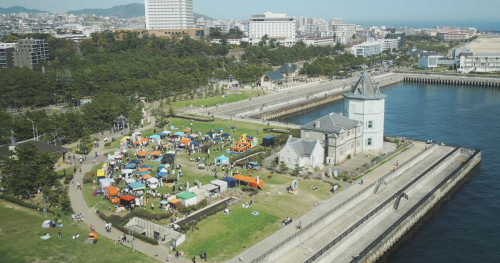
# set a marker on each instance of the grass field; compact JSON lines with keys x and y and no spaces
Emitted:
{"x":20,"y":238}
{"x":220,"y":236}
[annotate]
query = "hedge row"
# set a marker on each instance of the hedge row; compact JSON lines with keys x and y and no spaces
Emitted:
{"x":193,"y":118}
{"x":257,"y":149}
{"x":28,"y":205}
{"x":68,"y":178}
{"x":200,"y":205}
{"x":87,"y":177}
{"x":217,"y":209}
{"x":119,"y":225}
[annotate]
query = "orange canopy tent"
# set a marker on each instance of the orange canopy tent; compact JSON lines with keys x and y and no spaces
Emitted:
{"x":186,"y":130}
{"x":136,"y":142}
{"x":250,"y":180}
{"x":176,"y":202}
{"x":146,"y":176}
{"x":186,"y":141}
{"x":144,"y":170}
{"x":156,"y":153}
{"x":144,"y":140}
{"x":141,"y":153}
{"x":93,"y":235}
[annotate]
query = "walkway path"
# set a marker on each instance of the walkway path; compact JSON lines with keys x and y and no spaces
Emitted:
{"x":80,"y":206}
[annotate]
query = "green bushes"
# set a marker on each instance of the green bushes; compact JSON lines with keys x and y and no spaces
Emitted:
{"x":87,"y":177}
{"x":68,"y":178}
{"x":19,"y":202}
{"x":194,"y":118}
{"x":107,"y":144}
{"x":198,"y":206}
{"x":217,"y":209}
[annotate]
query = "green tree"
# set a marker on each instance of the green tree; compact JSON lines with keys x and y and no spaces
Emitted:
{"x":297,"y":170}
{"x":26,"y":170}
{"x":171,"y":112}
{"x":11,"y":39}
{"x":283,"y":167}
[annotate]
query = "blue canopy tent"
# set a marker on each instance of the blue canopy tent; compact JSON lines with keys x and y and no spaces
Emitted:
{"x":222,"y":159}
{"x":226,"y":135}
{"x":178,"y":133}
{"x":137,"y":186}
{"x":218,"y":129}
{"x":146,"y":166}
{"x":195,"y":143}
{"x":190,"y":137}
{"x":231,"y":182}
{"x":131,"y":166}
{"x":161,"y":174}
{"x":155,"y":137}
{"x":217,"y":139}
{"x":134,"y":161}
{"x":143,"y":173}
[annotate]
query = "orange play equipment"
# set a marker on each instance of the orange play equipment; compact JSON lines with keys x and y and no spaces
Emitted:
{"x":250,"y":180}
{"x":244,"y":144}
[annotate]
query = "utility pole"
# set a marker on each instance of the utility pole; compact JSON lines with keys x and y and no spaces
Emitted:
{"x":33,"y":125}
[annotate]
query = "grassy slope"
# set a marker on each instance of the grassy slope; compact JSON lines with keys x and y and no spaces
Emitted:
{"x":20,"y":238}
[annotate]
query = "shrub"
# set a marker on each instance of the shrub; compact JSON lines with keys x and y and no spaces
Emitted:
{"x":87,"y":177}
{"x":68,"y":178}
{"x":107,"y":144}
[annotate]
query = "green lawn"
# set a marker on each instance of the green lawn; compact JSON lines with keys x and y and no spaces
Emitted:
{"x":231,"y":96}
{"x":20,"y":238}
{"x":222,"y":236}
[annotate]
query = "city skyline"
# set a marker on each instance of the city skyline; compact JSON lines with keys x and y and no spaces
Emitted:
{"x":356,"y":11}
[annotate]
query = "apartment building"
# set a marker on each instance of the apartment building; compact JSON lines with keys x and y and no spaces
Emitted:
{"x":169,"y":14}
{"x":29,"y":52}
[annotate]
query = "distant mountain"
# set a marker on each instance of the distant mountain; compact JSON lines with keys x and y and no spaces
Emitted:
{"x":19,"y":9}
{"x":122,"y":11}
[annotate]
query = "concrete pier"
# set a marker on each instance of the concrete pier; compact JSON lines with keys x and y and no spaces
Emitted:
{"x":360,"y":223}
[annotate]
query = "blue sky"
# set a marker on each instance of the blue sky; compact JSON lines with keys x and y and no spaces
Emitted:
{"x":350,"y":10}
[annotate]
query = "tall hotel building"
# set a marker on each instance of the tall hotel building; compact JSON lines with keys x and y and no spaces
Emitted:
{"x":169,"y":14}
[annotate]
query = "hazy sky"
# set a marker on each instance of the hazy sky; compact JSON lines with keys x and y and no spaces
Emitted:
{"x":354,"y":10}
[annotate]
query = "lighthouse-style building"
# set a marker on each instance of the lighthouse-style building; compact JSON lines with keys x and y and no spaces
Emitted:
{"x":366,"y":104}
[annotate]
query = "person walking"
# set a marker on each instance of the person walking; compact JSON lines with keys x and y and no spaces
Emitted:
{"x":59,"y":234}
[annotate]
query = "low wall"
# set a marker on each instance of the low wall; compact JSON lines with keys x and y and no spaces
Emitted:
{"x":382,"y":244}
{"x":150,"y":228}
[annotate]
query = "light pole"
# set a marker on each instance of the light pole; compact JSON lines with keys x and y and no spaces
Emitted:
{"x":33,"y":125}
{"x":45,"y":200}
{"x":77,"y":102}
{"x":131,"y":233}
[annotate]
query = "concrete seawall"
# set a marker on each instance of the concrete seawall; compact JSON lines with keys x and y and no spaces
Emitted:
{"x":382,"y":244}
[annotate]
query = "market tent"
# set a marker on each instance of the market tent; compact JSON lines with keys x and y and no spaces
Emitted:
{"x":186,"y":130}
{"x":156,"y":153}
{"x":101,"y":173}
{"x":144,"y":170}
{"x":166,"y":132}
{"x":268,"y":141}
{"x":163,"y":202}
{"x":193,"y":135}
{"x":155,"y":137}
{"x":210,"y":189}
{"x":186,"y":141}
{"x":187,"y":198}
{"x":144,"y":140}
{"x":160,"y":166}
{"x":167,"y":158}
{"x":127,"y":172}
{"x":131,"y":166}
{"x":152,"y":182}
{"x":219,"y":129}
{"x":178,"y":133}
{"x":130,"y":180}
{"x":221,"y":184}
{"x":136,"y":142}
{"x":226,"y":135}
{"x":195,"y":143}
{"x":137,"y":186}
{"x":103,"y":183}
{"x":146,"y":176}
{"x":217,"y":139}
{"x":146,"y":166}
{"x":210,"y":133}
{"x":142,"y":153}
{"x":200,"y":194}
{"x":222,"y":159}
{"x":46,"y":224}
{"x":250,"y":181}
{"x":126,"y":138}
{"x":231,"y":182}
{"x":176,"y":202}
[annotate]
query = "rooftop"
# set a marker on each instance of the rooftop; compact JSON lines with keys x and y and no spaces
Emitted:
{"x":331,"y":124}
{"x":303,"y":147}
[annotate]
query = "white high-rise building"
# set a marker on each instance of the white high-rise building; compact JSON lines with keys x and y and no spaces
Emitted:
{"x":343,"y":33}
{"x":272,"y":25}
{"x":336,"y":21}
{"x":366,"y":104}
{"x":169,"y":14}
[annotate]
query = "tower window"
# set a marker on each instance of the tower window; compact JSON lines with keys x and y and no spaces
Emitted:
{"x":370,"y":124}
{"x":369,"y":141}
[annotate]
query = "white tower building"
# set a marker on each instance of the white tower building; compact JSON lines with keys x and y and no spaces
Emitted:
{"x":366,"y":104}
{"x":169,"y":14}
